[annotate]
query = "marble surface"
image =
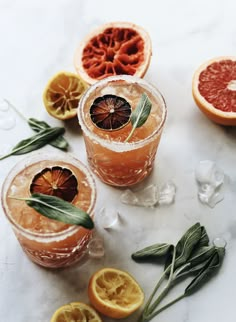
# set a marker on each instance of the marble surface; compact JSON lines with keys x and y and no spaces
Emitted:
{"x":39,"y":38}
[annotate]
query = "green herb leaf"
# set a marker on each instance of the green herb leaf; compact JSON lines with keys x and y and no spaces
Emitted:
{"x":210,"y":267}
{"x":140,"y":114}
{"x":56,"y":208}
{"x":187,"y":243}
{"x":59,"y":142}
{"x":156,"y":250}
{"x":35,"y":142}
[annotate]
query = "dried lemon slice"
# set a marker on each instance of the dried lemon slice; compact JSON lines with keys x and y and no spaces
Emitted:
{"x":75,"y":312}
{"x":110,"y":112}
{"x":55,"y":181}
{"x":62,"y":94}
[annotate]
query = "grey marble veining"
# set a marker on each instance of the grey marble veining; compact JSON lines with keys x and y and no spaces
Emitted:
{"x":39,"y":38}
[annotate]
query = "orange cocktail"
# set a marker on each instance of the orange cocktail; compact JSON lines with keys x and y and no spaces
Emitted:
{"x":48,"y":242}
{"x":115,"y":160}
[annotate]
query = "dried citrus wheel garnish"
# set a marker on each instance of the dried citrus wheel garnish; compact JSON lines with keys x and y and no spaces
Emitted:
{"x":114,"y":293}
{"x":62,"y":94}
{"x":75,"y":312}
{"x":214,"y":89}
{"x":113,"y":49}
{"x":110,"y":112}
{"x":55,"y":181}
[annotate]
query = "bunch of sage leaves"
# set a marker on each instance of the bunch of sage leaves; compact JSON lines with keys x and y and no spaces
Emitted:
{"x":192,"y":256}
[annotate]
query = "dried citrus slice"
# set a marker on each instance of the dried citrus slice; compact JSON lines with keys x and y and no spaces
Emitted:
{"x":110,"y":112}
{"x":62,"y":94}
{"x":114,"y":293}
{"x":113,"y":49}
{"x":214,"y":89}
{"x":75,"y":312}
{"x":55,"y":181}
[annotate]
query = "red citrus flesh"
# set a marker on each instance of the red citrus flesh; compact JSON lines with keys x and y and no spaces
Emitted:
{"x":214,"y":89}
{"x":114,"y":49}
{"x":216,"y":85}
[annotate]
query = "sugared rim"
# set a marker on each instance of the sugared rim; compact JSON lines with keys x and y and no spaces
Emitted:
{"x":204,"y":104}
{"x":116,"y":24}
{"x":126,"y":146}
{"x":32,"y":159}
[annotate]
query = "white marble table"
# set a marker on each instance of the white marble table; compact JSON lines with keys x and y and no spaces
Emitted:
{"x":38,"y":38}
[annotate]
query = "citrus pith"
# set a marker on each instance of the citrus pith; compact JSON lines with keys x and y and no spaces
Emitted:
{"x":214,"y":89}
{"x":113,"y":49}
{"x":114,"y":293}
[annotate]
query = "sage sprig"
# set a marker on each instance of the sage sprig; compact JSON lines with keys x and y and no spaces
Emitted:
{"x":35,"y":142}
{"x":56,"y":208}
{"x":140,"y":114}
{"x":192,"y":256}
{"x":59,"y":142}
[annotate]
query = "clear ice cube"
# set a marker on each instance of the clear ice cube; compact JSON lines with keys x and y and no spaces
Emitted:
{"x":219,"y":242}
{"x":167,"y":193}
{"x":210,"y":179}
{"x":108,"y":217}
{"x":7,"y":123}
{"x":96,"y":248}
{"x":150,"y":196}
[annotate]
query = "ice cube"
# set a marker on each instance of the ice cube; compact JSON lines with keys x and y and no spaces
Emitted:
{"x":219,"y":242}
{"x":108,"y":217}
{"x":148,"y":197}
{"x":210,"y":179}
{"x":208,"y":172}
{"x":96,"y":248}
{"x":167,"y":193}
{"x":129,"y":197}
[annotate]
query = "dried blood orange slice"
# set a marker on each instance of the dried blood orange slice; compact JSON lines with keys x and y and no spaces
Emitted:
{"x":113,"y":49}
{"x":214,"y":89}
{"x":55,"y":181}
{"x":110,"y":112}
{"x":62,"y":94}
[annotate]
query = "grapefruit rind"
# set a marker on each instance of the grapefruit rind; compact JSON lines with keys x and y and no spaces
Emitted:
{"x":214,"y":114}
{"x":141,"y":70}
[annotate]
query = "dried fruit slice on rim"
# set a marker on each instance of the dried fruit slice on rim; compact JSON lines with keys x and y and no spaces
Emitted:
{"x":113,"y":49}
{"x":214,"y":89}
{"x":110,"y":112}
{"x":62,"y":94}
{"x":55,"y":181}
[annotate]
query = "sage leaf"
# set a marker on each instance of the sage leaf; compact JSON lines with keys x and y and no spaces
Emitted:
{"x":140,"y":114}
{"x":196,"y":262}
{"x":213,"y":263}
{"x":35,"y":142}
{"x":156,"y":250}
{"x":58,"y":209}
{"x":187,"y":243}
{"x":204,"y":240}
{"x":59,"y":142}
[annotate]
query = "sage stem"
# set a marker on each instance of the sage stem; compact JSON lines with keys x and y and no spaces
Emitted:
{"x":167,"y":287}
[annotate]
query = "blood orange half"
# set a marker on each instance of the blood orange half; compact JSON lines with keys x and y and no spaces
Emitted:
{"x":214,"y":89}
{"x":113,"y":49}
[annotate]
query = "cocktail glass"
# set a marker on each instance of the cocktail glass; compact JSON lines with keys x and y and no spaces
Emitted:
{"x":113,"y":160}
{"x":48,"y":242}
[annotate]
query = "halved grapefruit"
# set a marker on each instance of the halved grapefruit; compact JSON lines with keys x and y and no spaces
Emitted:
{"x":113,"y":49}
{"x":214,"y":89}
